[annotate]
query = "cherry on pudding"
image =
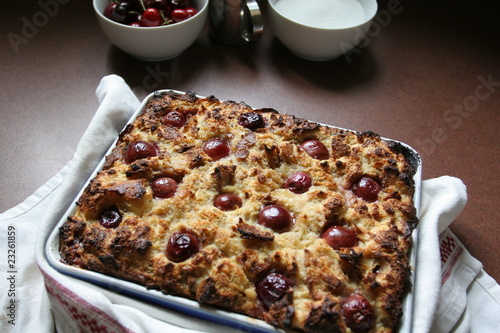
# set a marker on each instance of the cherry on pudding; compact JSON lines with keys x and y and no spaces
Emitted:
{"x":298,"y":183}
{"x":338,"y":237}
{"x":164,"y":187}
{"x":138,"y":150}
{"x":273,"y":288}
{"x":316,"y":149}
{"x":367,"y":188}
{"x":110,"y":218}
{"x":181,"y":246}
{"x":216,"y":148}
{"x":174,"y":118}
{"x":358,"y":313}
{"x":275,"y":217}
{"x":227,"y":202}
{"x":251,"y":120}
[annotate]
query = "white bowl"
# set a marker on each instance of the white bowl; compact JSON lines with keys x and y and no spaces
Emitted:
{"x":153,"y":43}
{"x":319,"y":42}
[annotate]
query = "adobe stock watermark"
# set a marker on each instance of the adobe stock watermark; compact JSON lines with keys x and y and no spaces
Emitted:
{"x":363,"y":37}
{"x":31,"y":26}
{"x":454,"y":117}
{"x":150,"y":82}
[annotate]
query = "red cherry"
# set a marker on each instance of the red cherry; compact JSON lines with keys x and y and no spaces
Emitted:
{"x":164,"y":187}
{"x":108,"y":11}
{"x":181,"y":246}
{"x":110,"y":218}
{"x":138,"y":150}
{"x":316,"y":149}
{"x":191,"y":11}
{"x":227,"y":202}
{"x":151,"y":18}
{"x":251,"y":120}
{"x":123,"y":12}
{"x":298,"y":183}
{"x":179,"y":15}
{"x":216,"y":148}
{"x":272,"y":288}
{"x":367,"y":188}
{"x":358,"y":313}
{"x":174,"y":118}
{"x":275,"y":217}
{"x":338,"y":237}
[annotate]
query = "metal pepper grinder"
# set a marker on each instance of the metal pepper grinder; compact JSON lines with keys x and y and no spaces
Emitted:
{"x":235,"y":22}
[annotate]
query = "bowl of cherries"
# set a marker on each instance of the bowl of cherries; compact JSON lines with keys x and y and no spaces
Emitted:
{"x":152,"y":30}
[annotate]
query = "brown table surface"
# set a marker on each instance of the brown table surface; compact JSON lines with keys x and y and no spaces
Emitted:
{"x":429,"y":76}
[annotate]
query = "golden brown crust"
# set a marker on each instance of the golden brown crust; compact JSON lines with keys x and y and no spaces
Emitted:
{"x":235,"y":251}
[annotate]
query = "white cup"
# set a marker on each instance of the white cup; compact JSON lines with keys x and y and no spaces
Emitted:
{"x":321,"y":30}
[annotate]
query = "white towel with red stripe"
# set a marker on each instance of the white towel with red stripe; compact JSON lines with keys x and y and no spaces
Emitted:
{"x":452,"y":292}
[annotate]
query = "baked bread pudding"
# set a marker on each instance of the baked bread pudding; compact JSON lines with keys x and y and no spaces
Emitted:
{"x":302,"y":225}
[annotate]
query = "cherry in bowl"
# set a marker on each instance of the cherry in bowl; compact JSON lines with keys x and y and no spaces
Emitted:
{"x":149,"y":13}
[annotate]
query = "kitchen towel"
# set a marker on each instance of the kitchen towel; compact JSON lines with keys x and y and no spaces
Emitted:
{"x":450,"y":285}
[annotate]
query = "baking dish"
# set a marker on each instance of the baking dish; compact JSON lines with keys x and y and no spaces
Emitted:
{"x":193,"y":308}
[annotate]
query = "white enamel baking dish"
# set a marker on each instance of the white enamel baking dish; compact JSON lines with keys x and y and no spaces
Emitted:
{"x":193,"y":308}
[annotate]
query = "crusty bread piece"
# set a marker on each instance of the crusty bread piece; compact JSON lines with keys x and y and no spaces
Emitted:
{"x":234,"y":252}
